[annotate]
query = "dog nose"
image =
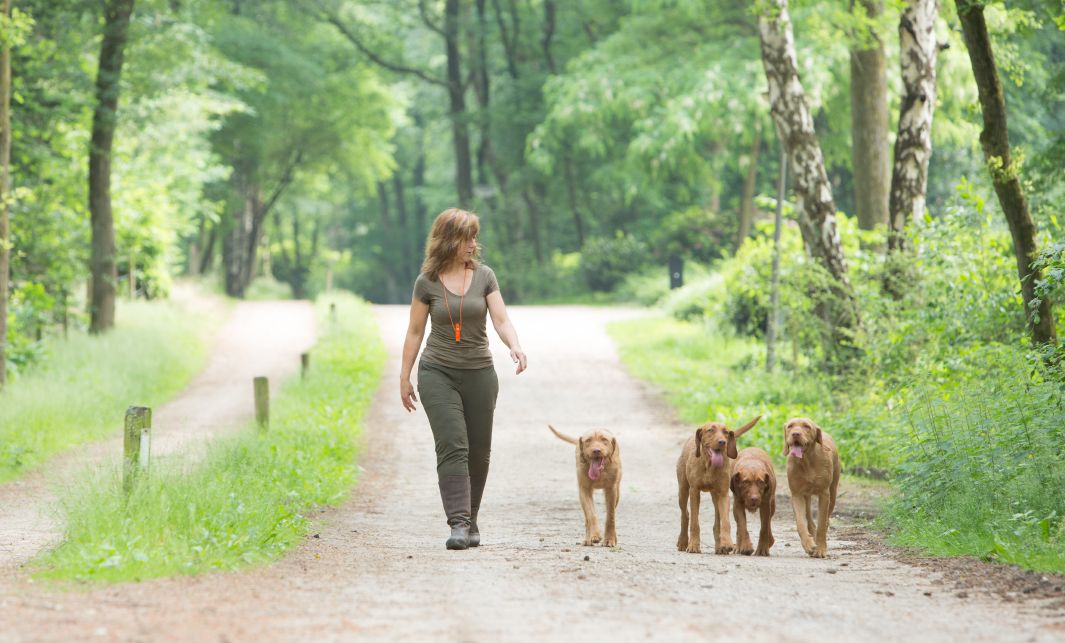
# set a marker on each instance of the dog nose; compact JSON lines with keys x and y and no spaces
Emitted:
{"x":795,"y":435}
{"x":597,"y":451}
{"x":720,"y":443}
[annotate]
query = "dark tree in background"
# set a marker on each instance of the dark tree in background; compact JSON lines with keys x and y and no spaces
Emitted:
{"x":994,"y":138}
{"x":104,"y":121}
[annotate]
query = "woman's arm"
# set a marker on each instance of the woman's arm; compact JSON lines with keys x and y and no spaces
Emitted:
{"x":505,"y":329}
{"x":419,"y":312}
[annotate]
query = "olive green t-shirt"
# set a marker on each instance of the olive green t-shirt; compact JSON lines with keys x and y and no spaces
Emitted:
{"x":441,"y":348}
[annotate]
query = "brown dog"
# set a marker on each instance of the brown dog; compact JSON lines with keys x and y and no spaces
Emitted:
{"x":697,"y":473}
{"x":813,"y":471}
{"x":754,"y":488}
{"x":598,"y":467}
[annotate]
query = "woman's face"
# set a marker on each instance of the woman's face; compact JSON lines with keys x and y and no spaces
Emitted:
{"x":467,"y":251}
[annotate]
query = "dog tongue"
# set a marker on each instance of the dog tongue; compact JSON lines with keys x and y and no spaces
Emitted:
{"x":595,"y":468}
{"x":796,"y":451}
{"x":716,"y":459}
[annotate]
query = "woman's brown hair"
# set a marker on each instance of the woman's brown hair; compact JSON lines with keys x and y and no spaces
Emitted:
{"x":451,"y":231}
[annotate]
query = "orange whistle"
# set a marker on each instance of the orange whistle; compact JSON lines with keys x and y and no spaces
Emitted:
{"x":458,"y":332}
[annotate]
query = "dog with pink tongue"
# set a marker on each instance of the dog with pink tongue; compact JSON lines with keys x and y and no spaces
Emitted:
{"x":705,"y":465}
{"x":813,"y":472}
{"x":598,"y":467}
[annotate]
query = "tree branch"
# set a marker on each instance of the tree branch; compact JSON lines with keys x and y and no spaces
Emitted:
{"x":374,"y":57}
{"x":424,"y":12}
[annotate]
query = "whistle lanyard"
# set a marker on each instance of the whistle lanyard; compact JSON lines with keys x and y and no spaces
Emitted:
{"x":458,"y":326}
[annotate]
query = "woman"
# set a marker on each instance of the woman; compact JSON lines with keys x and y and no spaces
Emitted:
{"x":456,"y":379}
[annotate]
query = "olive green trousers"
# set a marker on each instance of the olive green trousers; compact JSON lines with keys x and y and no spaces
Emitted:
{"x":460,"y":404}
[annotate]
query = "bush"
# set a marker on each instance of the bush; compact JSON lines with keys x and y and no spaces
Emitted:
{"x":606,"y":261}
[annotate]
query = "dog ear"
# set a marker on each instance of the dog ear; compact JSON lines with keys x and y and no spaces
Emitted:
{"x":614,"y":448}
{"x":580,"y":447}
{"x":766,"y":479}
{"x":698,"y":442}
{"x":818,"y":438}
{"x":732,"y":482}
{"x":731,"y":448}
{"x":785,"y":454}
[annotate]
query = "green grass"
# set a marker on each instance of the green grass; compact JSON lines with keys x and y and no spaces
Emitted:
{"x":80,"y":390}
{"x":706,"y":376}
{"x":248,"y":501}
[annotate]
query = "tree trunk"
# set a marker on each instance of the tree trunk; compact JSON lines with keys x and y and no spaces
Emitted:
{"x":235,"y":246}
{"x":913,"y":143}
{"x":749,"y":183}
{"x":5,"y":189}
{"x":104,"y":120}
{"x":207,"y":257}
{"x":816,"y":209}
{"x":869,"y":125}
{"x":995,"y":140}
{"x":410,"y":271}
{"x":571,"y":191}
{"x":456,"y":91}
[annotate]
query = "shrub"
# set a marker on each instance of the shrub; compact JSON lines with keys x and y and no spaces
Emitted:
{"x":606,"y":261}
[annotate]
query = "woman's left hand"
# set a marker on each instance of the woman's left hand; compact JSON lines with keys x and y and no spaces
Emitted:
{"x":519,"y":358}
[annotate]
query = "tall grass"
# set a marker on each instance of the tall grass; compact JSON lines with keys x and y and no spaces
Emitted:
{"x":80,"y":390}
{"x":984,"y":468}
{"x":248,"y":501}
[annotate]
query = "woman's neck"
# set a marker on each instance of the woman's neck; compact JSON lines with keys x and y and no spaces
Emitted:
{"x":455,"y":268}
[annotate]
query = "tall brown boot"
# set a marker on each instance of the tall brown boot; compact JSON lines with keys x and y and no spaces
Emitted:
{"x":455,"y":494}
{"x":476,"y":491}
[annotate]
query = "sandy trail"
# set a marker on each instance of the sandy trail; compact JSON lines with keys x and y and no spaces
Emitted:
{"x":376,"y":568}
{"x":219,"y":399}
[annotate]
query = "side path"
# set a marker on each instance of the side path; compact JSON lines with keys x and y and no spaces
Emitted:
{"x":259,"y":338}
{"x":376,"y":568}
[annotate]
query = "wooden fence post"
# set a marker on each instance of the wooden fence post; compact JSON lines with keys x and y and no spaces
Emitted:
{"x":262,"y":403}
{"x":137,"y":445}
{"x":332,"y":311}
{"x":305,"y":363}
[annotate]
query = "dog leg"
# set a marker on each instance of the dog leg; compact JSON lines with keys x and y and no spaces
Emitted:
{"x":591,"y":524}
{"x":810,"y":515}
{"x":682,"y":500}
{"x":693,"y":529}
{"x":611,"y":495}
{"x":722,"y":528}
{"x":821,"y":547}
{"x":743,"y":539}
{"x":801,"y":506}
{"x":765,"y":535}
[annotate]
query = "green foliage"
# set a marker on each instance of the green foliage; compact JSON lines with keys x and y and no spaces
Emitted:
{"x":249,"y":501}
{"x":82,"y":385}
{"x":981,"y":473}
{"x":605,"y":261}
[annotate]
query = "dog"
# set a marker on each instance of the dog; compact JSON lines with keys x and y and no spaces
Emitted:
{"x":754,"y":488}
{"x":696,"y":473}
{"x":598,"y":467}
{"x":813,"y":471}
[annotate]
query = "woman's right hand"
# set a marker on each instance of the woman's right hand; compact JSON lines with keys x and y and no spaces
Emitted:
{"x":406,"y":394}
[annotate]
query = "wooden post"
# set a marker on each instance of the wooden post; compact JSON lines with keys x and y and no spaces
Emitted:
{"x":262,"y":402}
{"x":332,"y":311}
{"x":773,"y":327}
{"x":137,"y":445}
{"x":132,"y":276}
{"x":305,"y":363}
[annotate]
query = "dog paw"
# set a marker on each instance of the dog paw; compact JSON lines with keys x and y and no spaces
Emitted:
{"x":723,"y":550}
{"x":819,"y":552}
{"x":694,"y":548}
{"x":682,"y":543}
{"x":610,"y":542}
{"x":761,"y":551}
{"x":745,"y":549}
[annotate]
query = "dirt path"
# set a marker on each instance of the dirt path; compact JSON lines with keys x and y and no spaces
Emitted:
{"x":376,"y":569}
{"x":217,"y":400}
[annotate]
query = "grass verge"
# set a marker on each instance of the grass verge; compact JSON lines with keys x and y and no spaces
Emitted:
{"x":247,"y":502}
{"x":706,"y":376}
{"x":975,"y":452}
{"x":81,"y":389}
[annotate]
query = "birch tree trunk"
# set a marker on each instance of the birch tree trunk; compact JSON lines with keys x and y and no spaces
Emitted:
{"x":918,"y":51}
{"x":1004,"y":175}
{"x":747,"y":195}
{"x":869,"y":125}
{"x":104,"y":121}
{"x":813,"y":193}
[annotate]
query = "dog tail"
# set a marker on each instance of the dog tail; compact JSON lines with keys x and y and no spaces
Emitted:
{"x":747,"y":427}
{"x":562,"y":436}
